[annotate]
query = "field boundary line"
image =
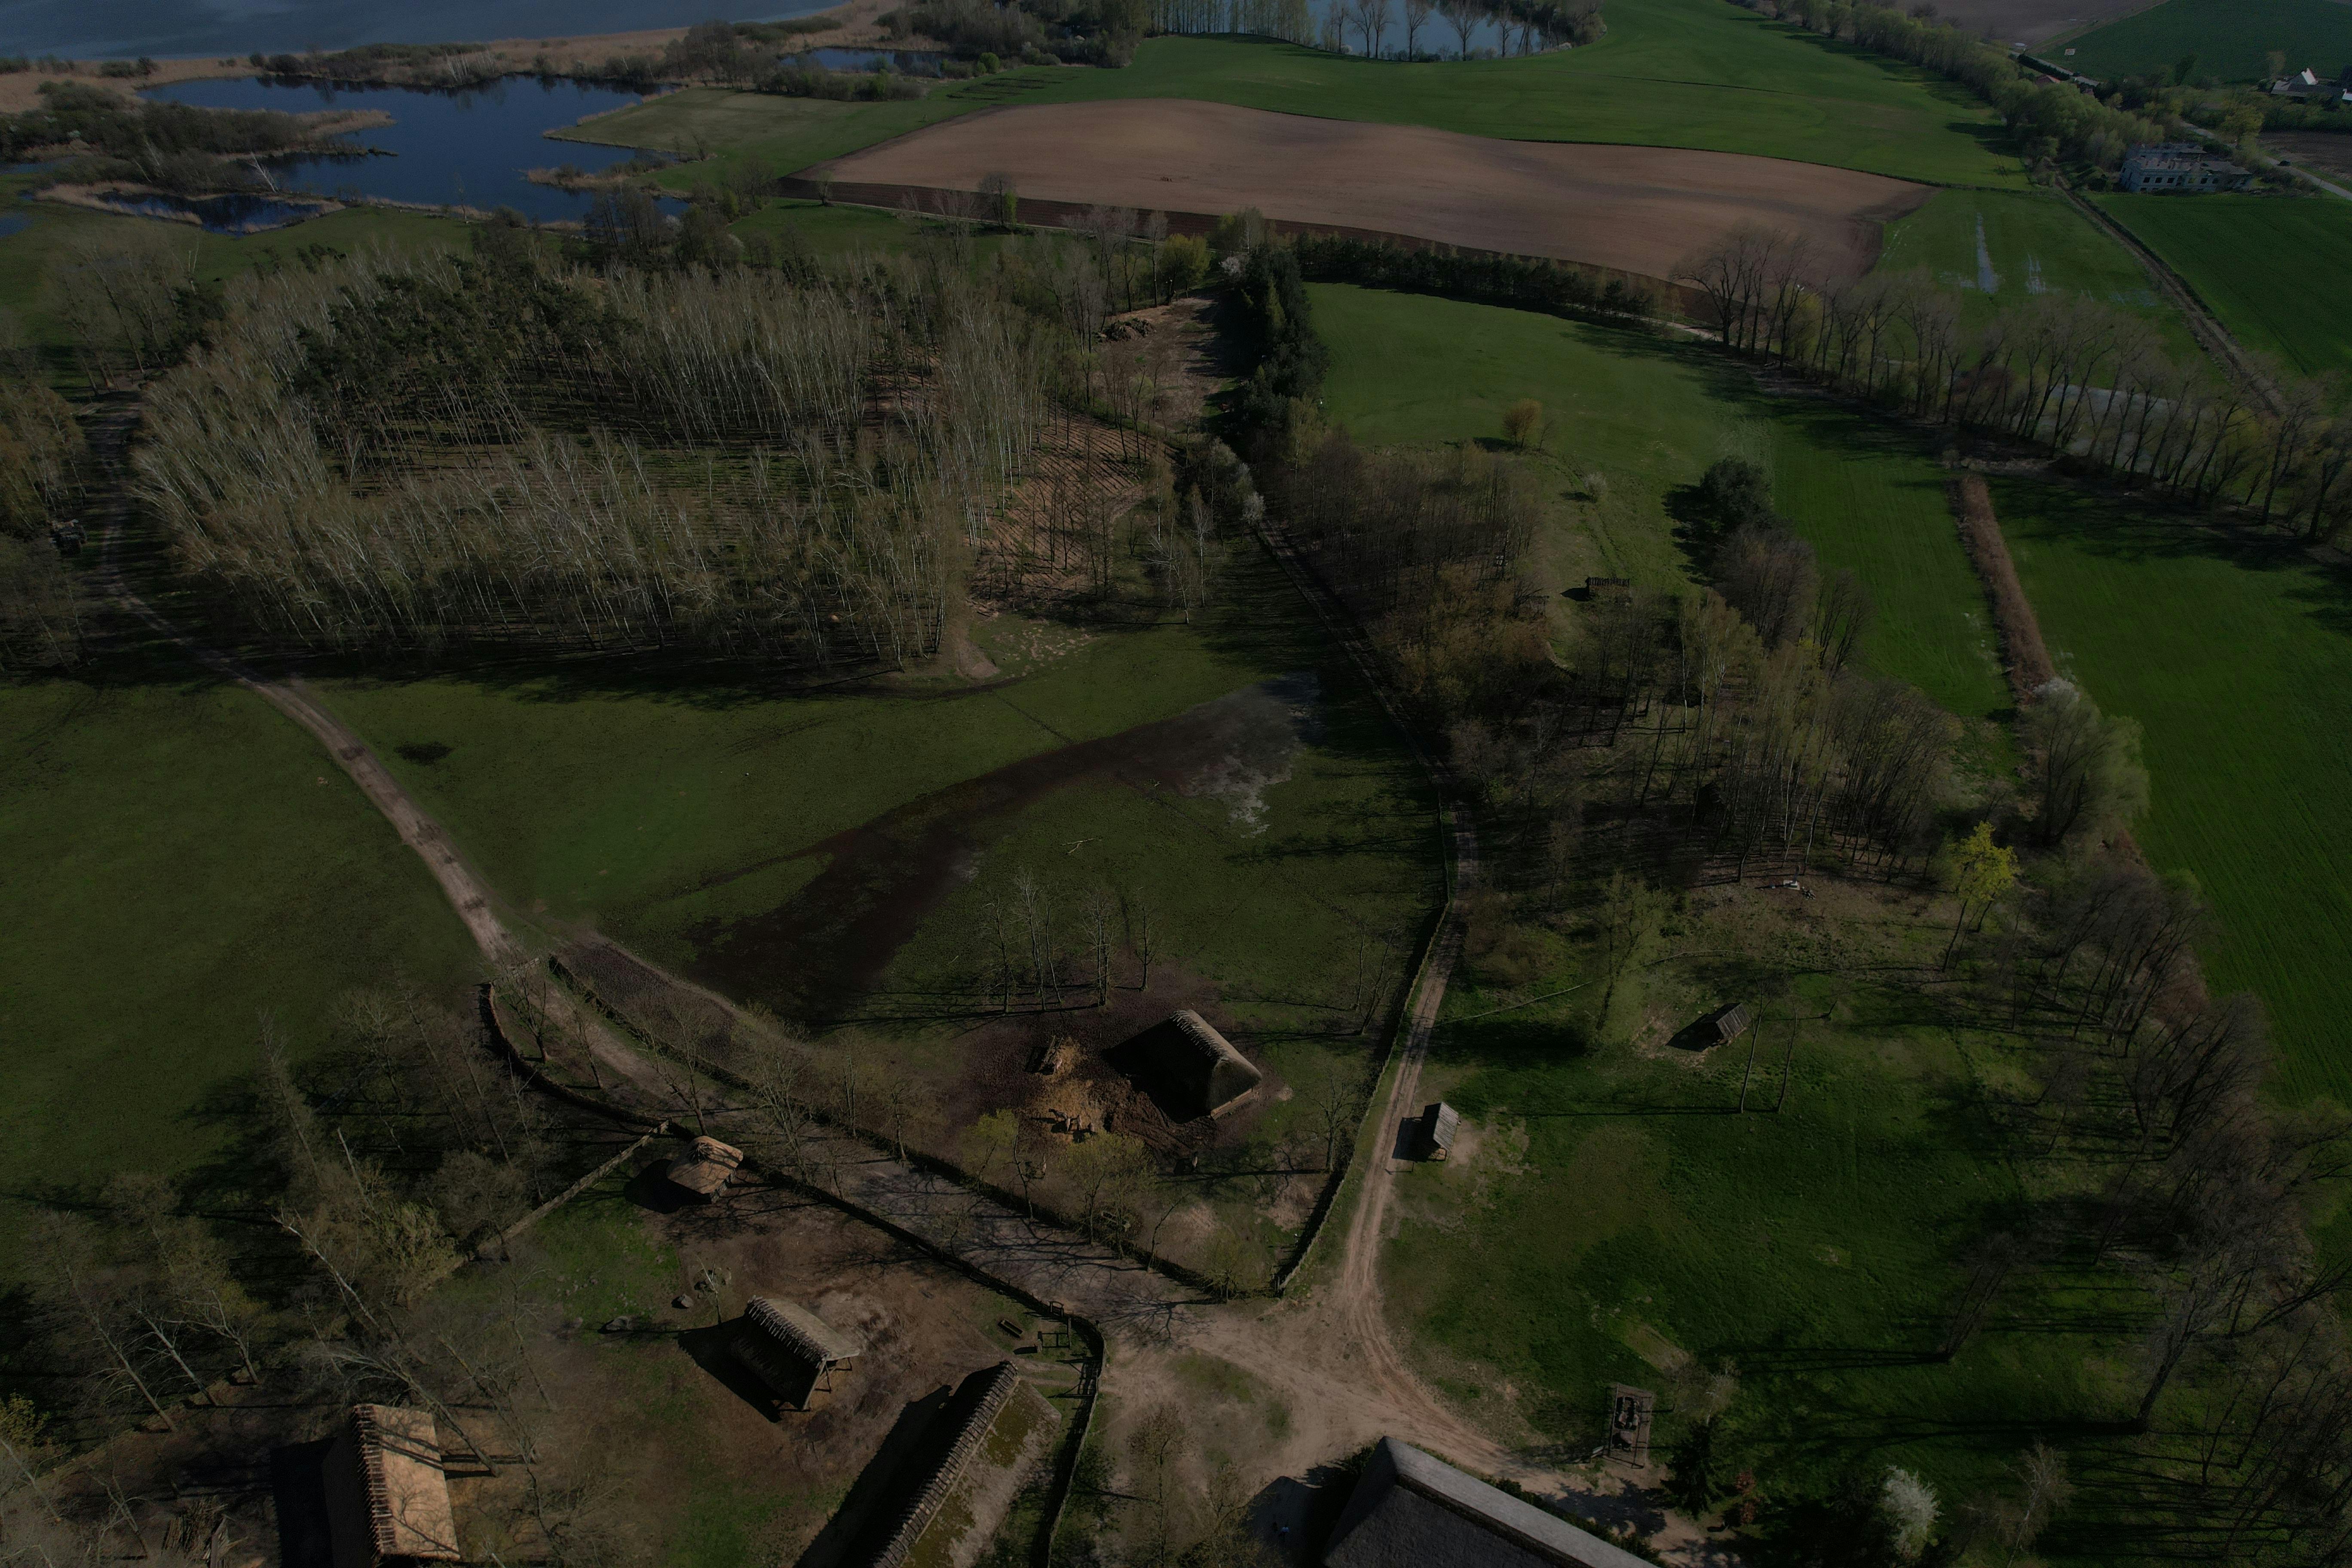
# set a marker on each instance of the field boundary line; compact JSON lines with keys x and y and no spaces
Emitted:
{"x":2025,"y":657}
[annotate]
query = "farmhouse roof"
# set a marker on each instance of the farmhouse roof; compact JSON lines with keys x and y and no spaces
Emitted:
{"x":1439,"y":1123}
{"x":803,"y":1333}
{"x":402,"y":1492}
{"x":1410,"y":1510}
{"x":705,"y":1165}
{"x":1731,"y":1023}
{"x":1186,"y":1051}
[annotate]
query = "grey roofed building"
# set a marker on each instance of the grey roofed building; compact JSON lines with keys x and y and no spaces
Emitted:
{"x":1410,"y":1510}
{"x":1439,"y":1125}
{"x":2180,"y":166}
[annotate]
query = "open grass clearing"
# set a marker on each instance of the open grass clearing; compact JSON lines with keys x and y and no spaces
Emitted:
{"x":1632,"y":209}
{"x":1647,"y":416}
{"x":2228,"y":40}
{"x":2272,"y":267}
{"x":178,"y":861}
{"x":2236,"y":656}
{"x":1670,"y":73}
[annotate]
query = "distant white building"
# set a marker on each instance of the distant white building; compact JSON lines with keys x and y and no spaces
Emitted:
{"x":2181,"y":166}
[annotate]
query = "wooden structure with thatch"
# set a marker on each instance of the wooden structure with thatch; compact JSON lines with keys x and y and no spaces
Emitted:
{"x":1410,"y":1510}
{"x":1188,"y":1068}
{"x":387,"y":1498}
{"x":1439,"y":1124}
{"x":705,"y":1167}
{"x":791,"y":1350}
{"x":982,"y":1400}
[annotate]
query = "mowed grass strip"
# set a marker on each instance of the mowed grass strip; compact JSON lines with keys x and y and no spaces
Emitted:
{"x":2274,"y":268}
{"x":2236,"y":656}
{"x":1670,"y":73}
{"x":2228,"y":40}
{"x":1648,"y":417}
{"x":175,"y":860}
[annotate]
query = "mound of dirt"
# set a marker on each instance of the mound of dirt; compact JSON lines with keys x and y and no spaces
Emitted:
{"x":1634,"y":209}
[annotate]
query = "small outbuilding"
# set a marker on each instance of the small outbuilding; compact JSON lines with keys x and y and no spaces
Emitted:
{"x":1730,"y":1023}
{"x":1410,"y":1510}
{"x":791,"y":1350}
{"x":1439,"y":1124}
{"x":1609,"y":587}
{"x":705,"y":1167}
{"x":1190,"y":1069}
{"x":387,"y":1497}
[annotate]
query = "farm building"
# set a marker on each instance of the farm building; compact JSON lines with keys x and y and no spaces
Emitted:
{"x":1410,"y":1510}
{"x":1609,"y":587}
{"x":387,"y":1499}
{"x":1185,"y":1065}
{"x":1439,"y":1124}
{"x":705,"y":1167}
{"x":2183,"y":166}
{"x":791,"y":1350}
{"x":1730,"y":1023}
{"x":950,"y":1451}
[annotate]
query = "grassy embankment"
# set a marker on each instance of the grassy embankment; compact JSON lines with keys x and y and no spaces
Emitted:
{"x":2272,"y":267}
{"x":1672,"y":73}
{"x":2228,"y":38}
{"x":2031,"y":243}
{"x":1815,"y":1249}
{"x":691,"y":820}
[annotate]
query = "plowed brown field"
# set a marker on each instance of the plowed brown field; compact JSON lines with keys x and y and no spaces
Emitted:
{"x":1637,"y":209}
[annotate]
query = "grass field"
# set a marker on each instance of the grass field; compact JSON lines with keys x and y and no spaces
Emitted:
{"x":2000,"y":248}
{"x":2228,"y":38}
{"x":177,"y":859}
{"x":1649,"y":417}
{"x":1671,"y":73}
{"x":2273,"y":268}
{"x":2237,"y":657}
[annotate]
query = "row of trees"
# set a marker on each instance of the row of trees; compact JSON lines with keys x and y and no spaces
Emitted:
{"x":2060,"y":370}
{"x":44,"y":467}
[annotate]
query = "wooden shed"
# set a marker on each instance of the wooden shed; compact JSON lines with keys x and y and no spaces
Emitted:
{"x":1190,"y":1069}
{"x":387,"y":1498}
{"x":791,"y":1350}
{"x":1439,"y":1125}
{"x":705,"y":1167}
{"x":1730,"y":1023}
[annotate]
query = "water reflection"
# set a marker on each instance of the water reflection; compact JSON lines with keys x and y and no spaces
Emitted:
{"x":234,"y":214}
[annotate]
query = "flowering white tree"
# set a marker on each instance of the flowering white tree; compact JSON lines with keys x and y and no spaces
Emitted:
{"x":1909,"y":1504}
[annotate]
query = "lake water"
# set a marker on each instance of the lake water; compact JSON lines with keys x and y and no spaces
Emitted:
{"x":88,"y":28}
{"x":232,"y":214}
{"x":467,"y":149}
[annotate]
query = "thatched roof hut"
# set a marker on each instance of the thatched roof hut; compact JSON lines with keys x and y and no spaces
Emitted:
{"x":791,"y":1350}
{"x":1410,"y":1510}
{"x":1439,"y":1125}
{"x":1190,"y":1069}
{"x":705,"y":1167}
{"x":387,"y":1499}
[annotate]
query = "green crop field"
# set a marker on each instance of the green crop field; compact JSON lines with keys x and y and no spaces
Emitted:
{"x":1648,"y":417}
{"x":2000,"y":248}
{"x":2228,"y":38}
{"x":2272,"y":267}
{"x":177,"y":859}
{"x":1671,"y":73}
{"x":2237,"y":657}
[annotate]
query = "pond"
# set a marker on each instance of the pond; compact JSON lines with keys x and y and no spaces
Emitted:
{"x":236,"y":214}
{"x":466,"y":149}
{"x":12,"y":223}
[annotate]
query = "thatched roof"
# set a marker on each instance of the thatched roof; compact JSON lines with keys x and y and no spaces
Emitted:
{"x":1413,"y":1511}
{"x":1193,"y":1070}
{"x":705,"y":1167}
{"x":803,"y":1333}
{"x":386,"y":1494}
{"x":1439,"y":1124}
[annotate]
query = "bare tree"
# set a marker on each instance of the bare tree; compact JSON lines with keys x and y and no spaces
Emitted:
{"x":1416,"y":16}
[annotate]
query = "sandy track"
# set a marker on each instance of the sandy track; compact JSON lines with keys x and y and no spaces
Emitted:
{"x":1635,"y":209}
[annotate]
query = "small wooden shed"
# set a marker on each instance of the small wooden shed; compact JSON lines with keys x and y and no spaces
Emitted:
{"x":1730,"y":1023}
{"x":705,"y":1167}
{"x":791,"y":1350}
{"x":1439,"y":1124}
{"x":387,"y":1498}
{"x":1609,"y":587}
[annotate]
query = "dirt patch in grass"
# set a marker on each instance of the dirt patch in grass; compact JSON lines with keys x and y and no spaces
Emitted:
{"x":2023,"y":653}
{"x":1637,"y":209}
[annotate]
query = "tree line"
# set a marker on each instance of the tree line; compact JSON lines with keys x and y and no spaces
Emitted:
{"x":2090,"y":381}
{"x":43,"y":469}
{"x":175,"y":146}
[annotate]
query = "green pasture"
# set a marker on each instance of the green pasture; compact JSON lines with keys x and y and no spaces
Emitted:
{"x":2273,"y":267}
{"x":176,"y":859}
{"x":2236,"y":654}
{"x":2000,"y":248}
{"x":2228,"y":38}
{"x":1671,"y":73}
{"x":1648,"y":415}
